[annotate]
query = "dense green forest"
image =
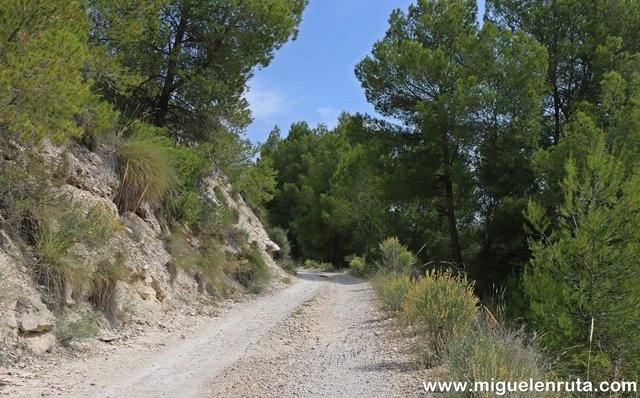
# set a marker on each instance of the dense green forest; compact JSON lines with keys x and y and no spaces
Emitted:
{"x":509,"y":149}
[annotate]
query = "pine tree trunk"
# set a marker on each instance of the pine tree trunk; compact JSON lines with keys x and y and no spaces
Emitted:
{"x":456,"y":252}
{"x":168,"y":86}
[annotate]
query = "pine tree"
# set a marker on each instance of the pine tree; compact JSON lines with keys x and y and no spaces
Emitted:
{"x":587,"y":268}
{"x":192,"y":59}
{"x":43,"y":50}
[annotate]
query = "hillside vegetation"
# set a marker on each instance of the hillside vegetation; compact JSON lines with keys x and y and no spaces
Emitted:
{"x":123,"y":173}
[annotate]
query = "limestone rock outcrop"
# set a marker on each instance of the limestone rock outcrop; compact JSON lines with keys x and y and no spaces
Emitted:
{"x":153,"y":286}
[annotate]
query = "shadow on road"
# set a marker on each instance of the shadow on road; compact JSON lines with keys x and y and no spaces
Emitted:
{"x":333,"y":277}
{"x":311,"y":276}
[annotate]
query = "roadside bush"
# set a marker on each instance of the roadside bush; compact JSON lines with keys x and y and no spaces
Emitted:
{"x":289,"y":265}
{"x":213,"y":268}
{"x":189,"y":208}
{"x":24,"y":181}
{"x":147,"y":167}
{"x":440,"y":307}
{"x":395,"y":257}
{"x":279,"y":237}
{"x":253,"y":273}
{"x":391,"y":290}
{"x":492,"y":353}
{"x":282,"y":257}
{"x":313,"y":264}
{"x":192,"y":164}
{"x":58,"y":231}
{"x":358,"y":266}
{"x":218,"y":222}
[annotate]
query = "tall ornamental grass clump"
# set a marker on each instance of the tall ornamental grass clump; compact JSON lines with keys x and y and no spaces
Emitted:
{"x":147,"y":167}
{"x":60,"y":225}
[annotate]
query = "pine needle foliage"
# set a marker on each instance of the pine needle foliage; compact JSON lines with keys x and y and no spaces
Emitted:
{"x":587,"y":268}
{"x":42,"y":53}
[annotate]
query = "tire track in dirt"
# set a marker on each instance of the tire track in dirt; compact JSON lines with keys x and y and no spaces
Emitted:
{"x":334,"y":345}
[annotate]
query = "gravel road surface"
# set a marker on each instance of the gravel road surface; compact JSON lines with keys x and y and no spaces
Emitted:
{"x":322,"y":336}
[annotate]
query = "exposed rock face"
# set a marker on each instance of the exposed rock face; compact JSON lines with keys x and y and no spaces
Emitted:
{"x":92,"y":171}
{"x":33,"y":316}
{"x":153,"y":285}
{"x":247,"y":219}
{"x":22,"y":312}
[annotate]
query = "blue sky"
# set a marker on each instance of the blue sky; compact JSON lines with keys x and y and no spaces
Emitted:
{"x":311,"y":79}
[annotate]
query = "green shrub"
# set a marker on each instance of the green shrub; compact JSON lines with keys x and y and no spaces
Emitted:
{"x":100,"y":224}
{"x":440,"y":307}
{"x":190,"y":208}
{"x":280,"y":238}
{"x":54,"y":269}
{"x":395,"y":257}
{"x":183,"y":255}
{"x":492,"y":353}
{"x":25,"y":180}
{"x":289,"y":265}
{"x":283,"y":256}
{"x":99,"y":121}
{"x":213,"y":268}
{"x":218,"y":222}
{"x":192,"y":164}
{"x":391,"y":290}
{"x":313,"y":264}
{"x":358,"y":266}
{"x":147,"y":167}
{"x":76,"y":325}
{"x":253,"y":273}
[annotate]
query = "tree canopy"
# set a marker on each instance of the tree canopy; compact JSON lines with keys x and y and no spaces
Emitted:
{"x":192,"y":59}
{"x":509,"y":148}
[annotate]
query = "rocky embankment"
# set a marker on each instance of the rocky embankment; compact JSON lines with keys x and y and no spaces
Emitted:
{"x":154,"y":287}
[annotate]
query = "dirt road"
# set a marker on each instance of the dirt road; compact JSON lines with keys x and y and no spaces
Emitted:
{"x":320,"y":337}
